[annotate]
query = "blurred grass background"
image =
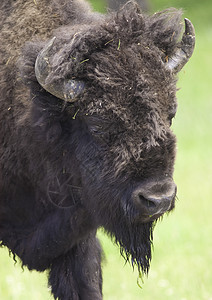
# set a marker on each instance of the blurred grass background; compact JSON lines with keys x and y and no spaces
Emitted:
{"x":182,"y":257}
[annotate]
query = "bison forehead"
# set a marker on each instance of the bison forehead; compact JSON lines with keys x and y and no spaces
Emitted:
{"x":130,"y":83}
{"x":134,"y":101}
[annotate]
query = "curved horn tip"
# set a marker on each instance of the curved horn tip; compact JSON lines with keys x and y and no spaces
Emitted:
{"x":182,"y":54}
{"x":41,"y":63}
{"x":49,"y":44}
{"x":65,"y":89}
{"x":189,"y":27}
{"x":188,"y":40}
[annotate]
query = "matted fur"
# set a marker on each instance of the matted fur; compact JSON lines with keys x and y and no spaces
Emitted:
{"x":68,"y":169}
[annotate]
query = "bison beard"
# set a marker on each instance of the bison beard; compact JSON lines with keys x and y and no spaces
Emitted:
{"x":134,"y":238}
{"x":135,"y":241}
{"x":118,"y":219}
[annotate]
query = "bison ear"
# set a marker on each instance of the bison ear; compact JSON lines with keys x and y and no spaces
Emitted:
{"x":65,"y":89}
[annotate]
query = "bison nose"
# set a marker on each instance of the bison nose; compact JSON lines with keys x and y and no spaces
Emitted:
{"x":155,"y":197}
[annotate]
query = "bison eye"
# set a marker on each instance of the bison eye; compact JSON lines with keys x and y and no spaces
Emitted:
{"x":170,"y":122}
{"x":170,"y":117}
{"x":96,"y":126}
{"x":96,"y":130}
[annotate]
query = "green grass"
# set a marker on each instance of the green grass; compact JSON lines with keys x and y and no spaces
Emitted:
{"x":182,"y":257}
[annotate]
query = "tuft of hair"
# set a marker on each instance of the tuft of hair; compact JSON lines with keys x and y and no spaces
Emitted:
{"x":165,"y":29}
{"x":135,"y":243}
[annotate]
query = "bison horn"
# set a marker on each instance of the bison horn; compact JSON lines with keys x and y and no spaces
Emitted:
{"x":65,"y":89}
{"x":183,"y":53}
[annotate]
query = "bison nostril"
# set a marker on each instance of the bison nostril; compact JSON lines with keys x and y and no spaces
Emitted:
{"x":154,"y":197}
{"x":146,"y":202}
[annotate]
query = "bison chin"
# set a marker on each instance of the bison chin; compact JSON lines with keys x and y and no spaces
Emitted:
{"x":135,"y":242}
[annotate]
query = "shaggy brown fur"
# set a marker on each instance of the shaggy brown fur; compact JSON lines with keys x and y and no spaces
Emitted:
{"x":67,"y":169}
{"x":116,"y":4}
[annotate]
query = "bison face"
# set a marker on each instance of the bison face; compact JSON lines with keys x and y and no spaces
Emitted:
{"x":130,"y":150}
{"x":120,"y":74}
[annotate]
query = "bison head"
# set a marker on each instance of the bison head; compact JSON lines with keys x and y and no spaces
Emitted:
{"x":117,"y":75}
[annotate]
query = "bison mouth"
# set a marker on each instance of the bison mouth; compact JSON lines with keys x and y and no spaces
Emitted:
{"x":137,"y":218}
{"x":147,"y":218}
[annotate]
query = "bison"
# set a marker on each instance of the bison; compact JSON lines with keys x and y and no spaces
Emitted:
{"x":87,"y":102}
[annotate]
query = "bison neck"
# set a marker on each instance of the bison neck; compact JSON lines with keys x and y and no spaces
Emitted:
{"x":20,"y":21}
{"x":24,"y":20}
